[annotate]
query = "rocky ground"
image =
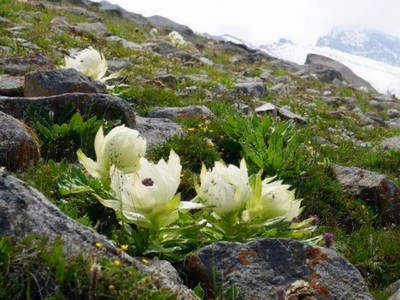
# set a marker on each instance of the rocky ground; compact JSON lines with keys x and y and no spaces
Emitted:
{"x":341,"y":149}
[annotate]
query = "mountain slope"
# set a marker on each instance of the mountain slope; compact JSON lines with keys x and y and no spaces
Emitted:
{"x":372,"y":44}
{"x":385,"y":78}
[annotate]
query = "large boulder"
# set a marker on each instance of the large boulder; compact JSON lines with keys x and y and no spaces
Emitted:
{"x":375,"y":189}
{"x":60,"y":81}
{"x":329,"y":68}
{"x":19,"y":147}
{"x":276,"y":269}
{"x":103,"y":106}
{"x":25,"y":212}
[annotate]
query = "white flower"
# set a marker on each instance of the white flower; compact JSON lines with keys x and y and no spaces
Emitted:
{"x":225,"y":188}
{"x":122,"y":147}
{"x":176,"y":39}
{"x":278,"y":200}
{"x":147,"y":197}
{"x":272,"y":200}
{"x":154,"y":33}
{"x":89,"y":62}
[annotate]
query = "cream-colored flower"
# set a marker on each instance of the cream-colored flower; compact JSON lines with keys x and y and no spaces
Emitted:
{"x":154,"y":33}
{"x":148,"y":197}
{"x":122,"y":147}
{"x":278,"y":200}
{"x":176,"y":39}
{"x":225,"y":188}
{"x":271,"y":199}
{"x":88,"y":61}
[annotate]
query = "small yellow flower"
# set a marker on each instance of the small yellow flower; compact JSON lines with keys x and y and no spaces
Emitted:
{"x":111,"y":287}
{"x":116,"y":263}
{"x":124,"y":247}
{"x":145,"y":261}
{"x":191,"y":129}
{"x":99,"y":245}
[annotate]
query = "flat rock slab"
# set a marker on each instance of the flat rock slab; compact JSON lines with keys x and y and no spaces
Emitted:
{"x":269,"y":269}
{"x":103,"y":106}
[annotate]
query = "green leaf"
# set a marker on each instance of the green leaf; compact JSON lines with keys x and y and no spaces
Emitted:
{"x":198,"y":290}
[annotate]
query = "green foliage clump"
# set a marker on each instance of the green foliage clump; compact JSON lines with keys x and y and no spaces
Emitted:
{"x":375,"y":252}
{"x":36,"y":269}
{"x":145,"y":98}
{"x":62,"y":138}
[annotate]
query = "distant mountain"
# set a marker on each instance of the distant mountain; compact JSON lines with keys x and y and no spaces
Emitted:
{"x":362,"y":42}
{"x":383,"y":77}
{"x":229,"y":38}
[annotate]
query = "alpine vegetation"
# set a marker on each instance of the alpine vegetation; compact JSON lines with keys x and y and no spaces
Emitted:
{"x":88,"y":61}
{"x":148,"y":197}
{"x":122,"y":147}
{"x":240,"y":207}
{"x":229,"y":204}
{"x":176,"y":39}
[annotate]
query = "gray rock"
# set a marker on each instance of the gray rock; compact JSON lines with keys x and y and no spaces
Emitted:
{"x":157,"y":131}
{"x":163,"y":48}
{"x":124,"y":43}
{"x":394,"y":289}
{"x":280,"y":88}
{"x":21,"y":66}
{"x":267,"y":269}
{"x":11,"y":85}
{"x":103,"y":106}
{"x":60,"y":81}
{"x":254,"y":89}
{"x":24,"y":211}
{"x":393,"y":113}
{"x":117,"y":10}
{"x":188,"y":112}
{"x":286,"y":114}
{"x":266,"y":108}
{"x":375,"y":189}
{"x":165,"y":23}
{"x":266,"y":75}
{"x":19,"y":147}
{"x":198,"y":79}
{"x":334,"y":69}
{"x":382,"y":98}
{"x":392,"y":143}
{"x":169,"y":80}
{"x":376,"y":118}
{"x":97,"y":28}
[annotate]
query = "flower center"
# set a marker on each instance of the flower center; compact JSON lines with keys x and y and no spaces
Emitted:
{"x":148,"y":182}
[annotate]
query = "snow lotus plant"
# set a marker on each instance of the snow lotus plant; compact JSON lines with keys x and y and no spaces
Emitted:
{"x":240,"y":207}
{"x":148,"y":197}
{"x":176,"y":39}
{"x":91,"y":63}
{"x":122,"y":147}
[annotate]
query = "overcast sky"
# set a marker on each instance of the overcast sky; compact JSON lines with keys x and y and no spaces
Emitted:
{"x":265,"y":21}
